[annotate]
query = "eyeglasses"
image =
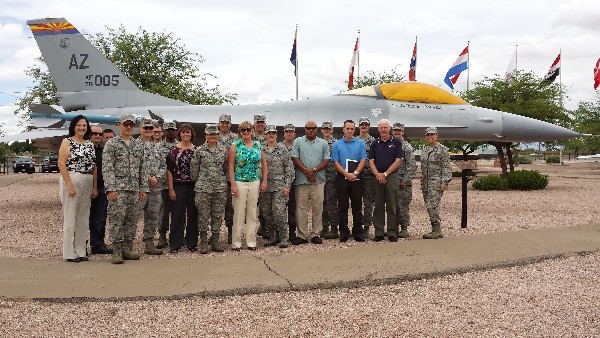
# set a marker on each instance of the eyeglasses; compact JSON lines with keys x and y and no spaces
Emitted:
{"x":128,"y":124}
{"x":148,"y":128}
{"x":272,"y":133}
{"x":364,"y":124}
{"x":96,"y":134}
{"x":326,"y":128}
{"x":225,"y":122}
{"x":310,"y":128}
{"x":245,"y":130}
{"x":260,"y":122}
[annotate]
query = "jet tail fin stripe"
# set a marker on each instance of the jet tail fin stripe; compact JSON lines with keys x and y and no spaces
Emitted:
{"x":53,"y":29}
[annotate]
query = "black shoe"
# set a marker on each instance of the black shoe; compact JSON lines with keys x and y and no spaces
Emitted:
{"x":83,"y":259}
{"x":343,"y":238}
{"x":174,"y":250}
{"x":252,"y":248}
{"x":103,"y":250}
{"x":359,"y":239}
{"x":392,"y":238}
{"x":74,"y":260}
{"x":298,"y":241}
{"x":236,"y":249}
{"x":193,"y":249}
{"x":316,"y":240}
{"x":379,"y":238}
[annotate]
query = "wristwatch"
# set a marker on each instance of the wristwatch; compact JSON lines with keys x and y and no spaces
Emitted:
{"x":384,"y":174}
{"x":315,"y":169}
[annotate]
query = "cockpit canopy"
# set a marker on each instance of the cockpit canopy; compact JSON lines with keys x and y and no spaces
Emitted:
{"x":408,"y":92}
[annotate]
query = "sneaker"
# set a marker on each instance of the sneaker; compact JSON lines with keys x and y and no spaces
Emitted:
{"x":316,"y":240}
{"x":298,"y":241}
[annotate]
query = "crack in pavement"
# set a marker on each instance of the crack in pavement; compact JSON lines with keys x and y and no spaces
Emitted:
{"x":275,"y":272}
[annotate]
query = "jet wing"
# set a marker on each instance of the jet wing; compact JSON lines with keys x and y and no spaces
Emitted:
{"x":34,"y":134}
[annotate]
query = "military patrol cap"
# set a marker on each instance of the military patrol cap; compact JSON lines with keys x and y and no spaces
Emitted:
{"x":146,"y":122}
{"x":289,"y":126}
{"x":270,"y":128}
{"x":363,"y":119}
{"x":398,"y":126}
{"x":431,"y":130}
{"x":225,"y":118}
{"x":126,"y":117}
{"x":169,"y":125}
{"x":327,"y":125}
{"x":211,"y":129}
{"x":260,"y":118}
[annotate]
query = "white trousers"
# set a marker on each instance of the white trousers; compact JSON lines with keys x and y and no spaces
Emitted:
{"x":76,"y":214}
{"x":244,"y":208}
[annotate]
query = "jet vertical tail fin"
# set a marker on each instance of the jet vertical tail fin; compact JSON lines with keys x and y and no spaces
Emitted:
{"x":84,"y":77}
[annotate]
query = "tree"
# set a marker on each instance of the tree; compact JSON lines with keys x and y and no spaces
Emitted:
{"x":522,"y":94}
{"x":373,"y":78}
{"x":586,"y":120}
{"x":156,"y":62}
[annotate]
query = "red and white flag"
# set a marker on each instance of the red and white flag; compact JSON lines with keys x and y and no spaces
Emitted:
{"x":553,"y":71}
{"x":412,"y":72}
{"x":597,"y":75}
{"x":352,"y":64}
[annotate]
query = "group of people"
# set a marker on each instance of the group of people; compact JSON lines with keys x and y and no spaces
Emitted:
{"x":249,"y":180}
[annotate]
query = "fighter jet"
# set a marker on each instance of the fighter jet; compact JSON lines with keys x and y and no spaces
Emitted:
{"x":88,"y":83}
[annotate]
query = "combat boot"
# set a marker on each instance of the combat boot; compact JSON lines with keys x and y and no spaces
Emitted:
{"x":436,"y":232}
{"x":333,"y":234}
{"x":150,"y":249}
{"x":128,"y":254}
{"x":403,"y":232}
{"x":117,"y":255}
{"x":229,"y":234}
{"x":324,"y":230}
{"x":203,"y":243}
{"x":214,"y":242}
{"x":366,"y":232}
{"x":272,"y":237}
{"x":283,"y":239}
{"x":162,"y":241}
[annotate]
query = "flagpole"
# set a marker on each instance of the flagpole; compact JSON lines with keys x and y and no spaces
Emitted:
{"x":516,"y":57}
{"x":358,"y":57}
{"x":296,"y":38}
{"x":468,"y":63}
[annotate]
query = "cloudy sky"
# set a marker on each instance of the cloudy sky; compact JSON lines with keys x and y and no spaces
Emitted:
{"x":247,"y":44}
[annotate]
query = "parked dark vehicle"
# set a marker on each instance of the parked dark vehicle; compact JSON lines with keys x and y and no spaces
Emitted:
{"x":24,"y":164}
{"x":53,"y":163}
{"x":45,"y":164}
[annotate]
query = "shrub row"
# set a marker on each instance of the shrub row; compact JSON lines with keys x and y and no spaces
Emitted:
{"x":553,"y":159}
{"x":516,"y":180}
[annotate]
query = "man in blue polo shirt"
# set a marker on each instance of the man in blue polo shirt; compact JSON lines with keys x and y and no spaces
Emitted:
{"x":385,"y":157}
{"x":349,"y":157}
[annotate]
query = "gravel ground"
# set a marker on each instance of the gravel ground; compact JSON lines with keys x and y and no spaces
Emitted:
{"x":554,"y":298}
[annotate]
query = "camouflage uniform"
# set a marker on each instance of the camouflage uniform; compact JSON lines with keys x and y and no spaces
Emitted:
{"x":291,"y":204}
{"x":330,"y":207}
{"x":406,"y":172}
{"x":368,"y":180}
{"x":157,"y":167}
{"x":436,"y":169}
{"x":272,"y":201}
{"x":124,"y":170}
{"x":208,"y":170}
{"x":226,"y":142}
{"x":164,"y":148}
{"x":262,"y":139}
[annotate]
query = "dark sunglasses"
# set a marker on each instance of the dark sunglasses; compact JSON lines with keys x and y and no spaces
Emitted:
{"x":148,"y":128}
{"x":310,"y":128}
{"x":225,"y":122}
{"x":364,"y":124}
{"x":245,"y":130}
{"x":96,"y":134}
{"x":272,"y":133}
{"x":326,"y":128}
{"x":128,"y":124}
{"x":170,"y":129}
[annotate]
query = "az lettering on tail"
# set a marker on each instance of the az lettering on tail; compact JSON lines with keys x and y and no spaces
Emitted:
{"x":74,"y":64}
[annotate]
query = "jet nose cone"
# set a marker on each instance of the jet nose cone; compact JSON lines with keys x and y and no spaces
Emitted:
{"x":524,"y":129}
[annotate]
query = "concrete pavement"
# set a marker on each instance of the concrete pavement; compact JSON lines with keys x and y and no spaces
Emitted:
{"x":54,"y":279}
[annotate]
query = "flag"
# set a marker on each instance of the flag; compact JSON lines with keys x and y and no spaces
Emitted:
{"x":461,"y":64}
{"x":293,"y":58}
{"x":412,"y":73}
{"x":597,"y":75}
{"x":512,"y":66}
{"x":352,"y":64}
{"x":553,"y":71}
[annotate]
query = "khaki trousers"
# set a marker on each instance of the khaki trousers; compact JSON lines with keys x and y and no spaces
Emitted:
{"x":76,"y":214}
{"x":309,"y":196}
{"x":244,"y":208}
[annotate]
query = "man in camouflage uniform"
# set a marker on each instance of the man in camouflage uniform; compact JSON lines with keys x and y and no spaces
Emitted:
{"x":226,"y":138}
{"x":406,"y":172}
{"x":367,"y":177}
{"x":436,"y":175}
{"x":170,"y":141}
{"x":289,"y":135}
{"x":208,"y":171}
{"x":126,"y":185}
{"x":156,"y":170}
{"x":259,"y":134}
{"x":330,"y":203}
{"x":279,"y":180}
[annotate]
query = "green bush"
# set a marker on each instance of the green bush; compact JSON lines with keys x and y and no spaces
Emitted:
{"x":490,"y":183}
{"x":553,"y":159}
{"x":526,"y":180}
{"x":524,"y":160}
